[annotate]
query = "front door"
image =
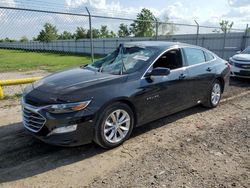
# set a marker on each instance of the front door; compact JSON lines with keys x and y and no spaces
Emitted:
{"x":164,"y":95}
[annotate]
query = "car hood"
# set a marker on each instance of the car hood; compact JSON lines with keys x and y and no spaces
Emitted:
{"x":71,"y":80}
{"x":242,"y":57}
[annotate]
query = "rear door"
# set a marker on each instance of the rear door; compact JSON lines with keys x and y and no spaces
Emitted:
{"x":201,"y":71}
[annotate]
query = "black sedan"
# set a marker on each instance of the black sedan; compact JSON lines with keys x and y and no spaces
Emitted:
{"x":138,"y":83}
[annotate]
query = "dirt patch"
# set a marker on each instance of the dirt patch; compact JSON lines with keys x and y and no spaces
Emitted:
{"x":237,"y":85}
{"x":193,"y":148}
{"x":212,"y":150}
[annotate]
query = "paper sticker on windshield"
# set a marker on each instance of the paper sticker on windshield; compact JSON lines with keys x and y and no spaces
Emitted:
{"x":141,"y":57}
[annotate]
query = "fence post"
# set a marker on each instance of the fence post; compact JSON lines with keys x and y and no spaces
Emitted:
{"x":197,"y":31}
{"x":244,"y":39}
{"x":1,"y":92}
{"x":224,"y":43}
{"x":91,"y":35}
{"x":202,"y":43}
{"x":156,"y":29}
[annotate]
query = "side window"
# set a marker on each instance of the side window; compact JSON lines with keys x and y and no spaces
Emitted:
{"x":208,"y":56}
{"x":171,"y":59}
{"x":194,"y":56}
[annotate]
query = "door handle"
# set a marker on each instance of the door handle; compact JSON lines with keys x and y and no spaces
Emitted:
{"x":209,"y":69}
{"x":182,"y":76}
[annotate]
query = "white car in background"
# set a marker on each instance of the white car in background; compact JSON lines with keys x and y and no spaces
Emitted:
{"x":240,"y":64}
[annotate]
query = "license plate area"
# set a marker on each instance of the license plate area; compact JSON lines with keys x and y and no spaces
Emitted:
{"x":245,"y":73}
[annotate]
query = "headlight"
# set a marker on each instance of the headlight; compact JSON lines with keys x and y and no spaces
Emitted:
{"x":66,"y":108}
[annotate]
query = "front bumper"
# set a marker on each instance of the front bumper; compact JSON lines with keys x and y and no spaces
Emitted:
{"x":239,"y":72}
{"x":83,"y":134}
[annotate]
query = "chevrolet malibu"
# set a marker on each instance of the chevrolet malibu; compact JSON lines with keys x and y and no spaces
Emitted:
{"x":136,"y":84}
{"x":240,"y":64}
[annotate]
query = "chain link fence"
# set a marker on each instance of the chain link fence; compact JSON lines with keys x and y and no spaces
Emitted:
{"x":87,"y":34}
{"x":15,"y":34}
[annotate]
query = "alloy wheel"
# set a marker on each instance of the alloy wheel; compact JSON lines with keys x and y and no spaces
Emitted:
{"x":117,"y":126}
{"x":216,"y":94}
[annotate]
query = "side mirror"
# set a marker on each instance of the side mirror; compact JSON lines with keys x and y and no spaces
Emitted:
{"x":238,"y":52}
{"x":159,"y":71}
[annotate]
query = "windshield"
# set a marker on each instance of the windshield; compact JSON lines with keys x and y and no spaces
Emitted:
{"x":123,"y":60}
{"x":246,"y":51}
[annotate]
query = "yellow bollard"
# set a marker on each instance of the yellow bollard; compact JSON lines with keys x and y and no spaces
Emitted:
{"x":15,"y":82}
{"x":18,"y":81}
{"x":1,"y":92}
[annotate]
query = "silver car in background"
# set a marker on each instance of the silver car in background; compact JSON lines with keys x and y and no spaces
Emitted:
{"x":240,"y":64}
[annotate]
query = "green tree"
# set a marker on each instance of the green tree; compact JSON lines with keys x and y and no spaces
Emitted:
{"x":9,"y":40}
{"x":166,"y":27}
{"x":123,"y":30}
{"x":226,"y":26}
{"x":47,"y":34}
{"x":80,"y":33}
{"x":66,"y":36}
{"x":248,"y":30}
{"x":144,"y":24}
{"x":104,"y":32}
{"x":95,"y":33}
{"x":24,"y":39}
{"x":112,"y":34}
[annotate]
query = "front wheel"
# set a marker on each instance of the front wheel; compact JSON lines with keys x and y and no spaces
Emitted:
{"x":114,"y":125}
{"x":214,"y":95}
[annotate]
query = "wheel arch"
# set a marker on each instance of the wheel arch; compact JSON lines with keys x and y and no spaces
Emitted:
{"x":124,"y":100}
{"x":221,"y":80}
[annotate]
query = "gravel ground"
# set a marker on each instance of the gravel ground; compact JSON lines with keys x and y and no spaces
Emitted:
{"x":194,"y":148}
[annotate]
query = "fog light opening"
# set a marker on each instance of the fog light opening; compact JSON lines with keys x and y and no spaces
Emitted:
{"x":65,"y":129}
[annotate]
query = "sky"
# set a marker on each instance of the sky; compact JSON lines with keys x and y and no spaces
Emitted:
{"x":183,"y":11}
{"x":178,"y":11}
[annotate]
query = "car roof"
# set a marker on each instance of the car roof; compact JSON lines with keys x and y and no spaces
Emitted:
{"x":163,"y":45}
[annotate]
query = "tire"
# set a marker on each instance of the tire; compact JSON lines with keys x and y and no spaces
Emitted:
{"x":214,"y":95}
{"x":109,"y":132}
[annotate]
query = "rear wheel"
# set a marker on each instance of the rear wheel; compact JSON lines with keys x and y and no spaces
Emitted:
{"x":114,"y":125}
{"x":214,"y":95}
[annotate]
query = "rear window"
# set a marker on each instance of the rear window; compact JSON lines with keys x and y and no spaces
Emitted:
{"x":208,"y":56}
{"x":194,"y":56}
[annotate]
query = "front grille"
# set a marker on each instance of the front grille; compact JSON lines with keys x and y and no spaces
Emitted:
{"x":31,"y":102}
{"x":32,"y":120}
{"x":242,"y":73}
{"x":243,"y":66}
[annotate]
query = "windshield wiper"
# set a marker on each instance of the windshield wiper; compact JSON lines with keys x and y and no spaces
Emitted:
{"x":84,"y":66}
{"x":100,"y":69}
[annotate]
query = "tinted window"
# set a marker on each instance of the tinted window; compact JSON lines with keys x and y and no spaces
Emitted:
{"x":171,"y":59}
{"x":194,"y":56}
{"x":208,"y":56}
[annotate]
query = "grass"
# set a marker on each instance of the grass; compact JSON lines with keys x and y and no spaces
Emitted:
{"x":13,"y":96}
{"x":20,"y":60}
